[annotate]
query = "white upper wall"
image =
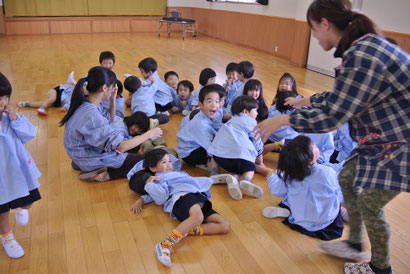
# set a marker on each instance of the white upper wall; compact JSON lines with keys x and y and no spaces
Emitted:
{"x":397,"y":18}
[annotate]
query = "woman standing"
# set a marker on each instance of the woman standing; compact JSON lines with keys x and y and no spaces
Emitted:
{"x":372,"y":93}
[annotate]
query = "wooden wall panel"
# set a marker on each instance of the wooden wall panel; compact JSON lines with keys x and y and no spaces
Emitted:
{"x":300,"y":44}
{"x":402,"y":39}
{"x":144,"y":26}
{"x":17,"y":28}
{"x":111,"y":26}
{"x":58,"y":27}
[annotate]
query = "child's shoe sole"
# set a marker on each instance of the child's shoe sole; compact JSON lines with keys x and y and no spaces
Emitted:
{"x":42,"y":111}
{"x":234,"y":189}
{"x":98,"y":175}
{"x":251,"y":188}
{"x":274,"y":212}
{"x":163,"y":255}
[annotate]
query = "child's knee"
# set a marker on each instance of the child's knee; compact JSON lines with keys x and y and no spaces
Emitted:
{"x":225,"y":226}
{"x":196,"y":215}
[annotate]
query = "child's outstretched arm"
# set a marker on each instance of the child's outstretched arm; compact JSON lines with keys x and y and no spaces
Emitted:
{"x":136,"y":208}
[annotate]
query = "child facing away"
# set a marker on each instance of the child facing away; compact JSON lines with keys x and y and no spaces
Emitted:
{"x":163,"y":93}
{"x":183,"y":101}
{"x":195,"y":137}
{"x":19,"y":174}
{"x":172,"y":80}
{"x":184,"y":197}
{"x":142,"y":99}
{"x":60,"y":96}
{"x":206,"y":77}
{"x":254,"y":89}
{"x":119,"y":101}
{"x":236,"y":150}
{"x":311,"y":192}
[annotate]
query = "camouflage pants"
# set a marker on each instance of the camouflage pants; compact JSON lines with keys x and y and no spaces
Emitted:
{"x":366,"y":205}
{"x":157,"y":143}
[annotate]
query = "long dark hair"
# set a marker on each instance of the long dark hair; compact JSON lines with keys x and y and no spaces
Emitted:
{"x":96,"y":78}
{"x":254,"y":84}
{"x":295,"y":159}
{"x":339,"y":12}
{"x":293,"y":92}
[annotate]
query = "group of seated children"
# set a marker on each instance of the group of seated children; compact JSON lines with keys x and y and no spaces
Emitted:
{"x":216,"y":134}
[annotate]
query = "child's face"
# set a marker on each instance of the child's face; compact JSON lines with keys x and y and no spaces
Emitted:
{"x":210,"y":105}
{"x":165,"y":165}
{"x":316,"y":153}
{"x":254,"y":93}
{"x":172,"y":81}
{"x":183,"y":92}
{"x":221,"y":102}
{"x":211,"y":81}
{"x":286,"y":84}
{"x":232,"y":75}
{"x":253,"y":113}
{"x":4,"y":101}
{"x":145,"y":74}
{"x":107,"y":63}
{"x":134,"y":130}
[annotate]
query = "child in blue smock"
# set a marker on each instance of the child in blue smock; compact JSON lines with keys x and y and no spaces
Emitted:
{"x":206,"y":77}
{"x":91,"y":141}
{"x":235,"y":149}
{"x":311,"y":192}
{"x":172,"y":80}
{"x":325,"y":143}
{"x":163,"y":93}
{"x":19,"y":174}
{"x":142,"y":98}
{"x":231,"y":82}
{"x":184,"y":197}
{"x":220,"y":116}
{"x":254,"y":89}
{"x":197,"y":134}
{"x":344,"y":144}
{"x":245,"y":72}
{"x":183,"y":100}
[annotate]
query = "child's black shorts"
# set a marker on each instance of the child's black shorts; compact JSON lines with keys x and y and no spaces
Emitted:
{"x":236,"y":166}
{"x":59,"y":91}
{"x":184,"y":203}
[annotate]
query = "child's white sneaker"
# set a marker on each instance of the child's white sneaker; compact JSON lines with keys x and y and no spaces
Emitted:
{"x":234,"y":189}
{"x":221,"y":178}
{"x":70,"y":79}
{"x":163,"y":255}
{"x":21,"y":216}
{"x":42,"y":110}
{"x":207,"y":166}
{"x":253,"y":189}
{"x":274,"y":212}
{"x":126,"y":75}
{"x":153,"y":123}
{"x":11,"y":246}
{"x":166,"y":113}
{"x":186,"y":112}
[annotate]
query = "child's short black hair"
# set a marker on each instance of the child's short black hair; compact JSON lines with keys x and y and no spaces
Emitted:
{"x":231,"y":67}
{"x":138,"y":118}
{"x":246,"y":68}
{"x":205,"y":75}
{"x":132,"y":83}
{"x":193,"y":113}
{"x":107,"y":55}
{"x":281,"y":96}
{"x":263,"y":113}
{"x":153,"y":157}
{"x":186,"y":84}
{"x":5,"y":86}
{"x":208,"y":89}
{"x":120,"y":87}
{"x":148,"y":64}
{"x":295,"y":159}
{"x":243,"y":102}
{"x":170,"y":73}
{"x":138,"y":180}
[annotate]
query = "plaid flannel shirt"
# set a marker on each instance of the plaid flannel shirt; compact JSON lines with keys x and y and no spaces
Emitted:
{"x":372,"y":93}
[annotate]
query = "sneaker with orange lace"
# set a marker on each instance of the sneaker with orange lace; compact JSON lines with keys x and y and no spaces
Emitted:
{"x":11,"y":246}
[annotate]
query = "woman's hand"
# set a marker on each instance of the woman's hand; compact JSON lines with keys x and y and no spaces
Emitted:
{"x":154,"y":133}
{"x":269,"y":126}
{"x":298,"y":102}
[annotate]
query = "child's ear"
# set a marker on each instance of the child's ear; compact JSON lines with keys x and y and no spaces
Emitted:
{"x":200,"y":105}
{"x":245,"y":111}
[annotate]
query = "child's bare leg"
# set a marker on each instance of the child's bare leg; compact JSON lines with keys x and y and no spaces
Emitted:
{"x":247,"y":175}
{"x":51,"y":98}
{"x":216,"y":224}
{"x":271,"y":147}
{"x":214,"y":167}
{"x":260,"y":166}
{"x":4,"y":223}
{"x":195,"y":218}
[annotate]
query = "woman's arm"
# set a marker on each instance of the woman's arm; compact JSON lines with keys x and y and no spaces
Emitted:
{"x":137,"y":140}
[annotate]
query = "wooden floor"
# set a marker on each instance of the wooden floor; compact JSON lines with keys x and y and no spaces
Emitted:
{"x":81,"y":227}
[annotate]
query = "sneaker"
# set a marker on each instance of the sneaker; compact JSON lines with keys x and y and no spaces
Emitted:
{"x":357,"y":268}
{"x":342,"y":249}
{"x":21,"y":216}
{"x":98,"y":175}
{"x":75,"y":166}
{"x":166,"y":113}
{"x":253,"y":189}
{"x":23,"y":104}
{"x":163,"y":255}
{"x":186,"y":112}
{"x":221,"y":178}
{"x":42,"y":110}
{"x":126,"y":75}
{"x":345,"y":215}
{"x":11,"y":246}
{"x":206,"y":167}
{"x":234,"y":189}
{"x":70,"y":79}
{"x":274,"y":212}
{"x":153,"y":123}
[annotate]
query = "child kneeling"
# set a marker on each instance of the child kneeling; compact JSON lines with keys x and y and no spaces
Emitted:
{"x":183,"y":196}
